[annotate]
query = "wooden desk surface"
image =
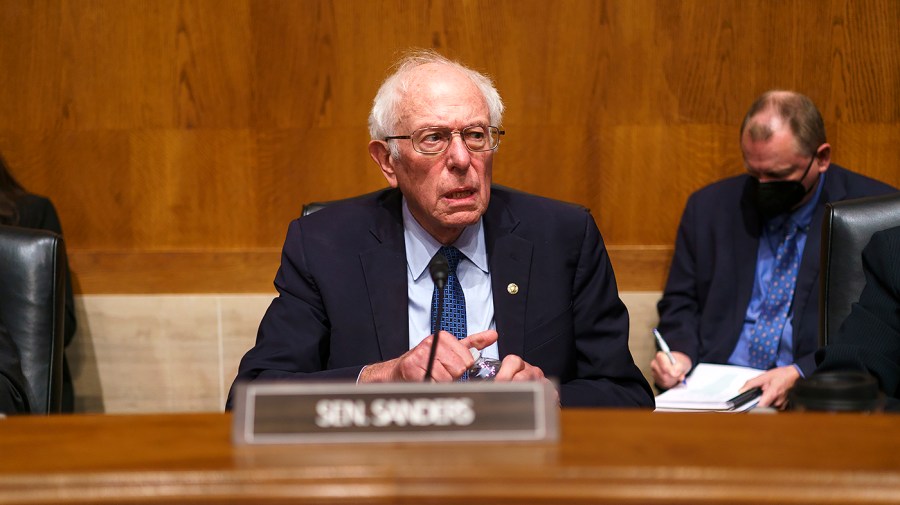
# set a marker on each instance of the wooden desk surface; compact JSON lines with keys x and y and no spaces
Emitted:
{"x":604,"y":456}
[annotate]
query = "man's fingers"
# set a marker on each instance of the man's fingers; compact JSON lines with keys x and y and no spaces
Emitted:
{"x":480,"y":340}
{"x":440,"y":373}
{"x":666,"y":366}
{"x":767,"y":398}
{"x":508,"y":367}
{"x":453,"y":356}
{"x":661,"y":376}
{"x":667,"y":374}
{"x":514,"y":368}
{"x":757,"y":381}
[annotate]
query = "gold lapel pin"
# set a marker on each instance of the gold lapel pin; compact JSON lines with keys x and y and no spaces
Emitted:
{"x":512,"y":288}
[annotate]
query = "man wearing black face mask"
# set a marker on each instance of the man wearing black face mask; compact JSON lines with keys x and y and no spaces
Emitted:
{"x":778,"y":197}
{"x":743,"y":285}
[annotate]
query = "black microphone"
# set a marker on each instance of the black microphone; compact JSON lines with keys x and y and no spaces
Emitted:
{"x":439,"y":270}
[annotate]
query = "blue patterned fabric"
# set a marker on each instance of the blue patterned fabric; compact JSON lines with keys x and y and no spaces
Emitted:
{"x":777,"y":305}
{"x":454,"y":316}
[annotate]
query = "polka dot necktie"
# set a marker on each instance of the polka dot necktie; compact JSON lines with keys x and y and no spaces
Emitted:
{"x":454,"y":316}
{"x":774,"y":312}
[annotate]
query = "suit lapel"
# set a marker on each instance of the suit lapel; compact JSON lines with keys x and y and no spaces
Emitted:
{"x":509,"y":257}
{"x":808,"y":276}
{"x":746,"y":230}
{"x":384,"y":267}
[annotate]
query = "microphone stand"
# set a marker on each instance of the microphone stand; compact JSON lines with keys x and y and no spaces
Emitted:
{"x":439,"y":269}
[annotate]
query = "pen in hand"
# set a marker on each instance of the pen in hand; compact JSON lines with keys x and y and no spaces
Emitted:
{"x":663,"y":346}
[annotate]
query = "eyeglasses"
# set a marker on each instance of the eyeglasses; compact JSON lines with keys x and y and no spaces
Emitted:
{"x":435,"y":140}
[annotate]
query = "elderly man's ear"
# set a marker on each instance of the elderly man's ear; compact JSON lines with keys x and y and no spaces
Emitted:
{"x":823,"y":157}
{"x":378,"y":150}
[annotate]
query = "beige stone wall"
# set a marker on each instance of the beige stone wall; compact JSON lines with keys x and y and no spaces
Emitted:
{"x":160,"y":353}
{"x":642,"y":311}
{"x":179,"y":353}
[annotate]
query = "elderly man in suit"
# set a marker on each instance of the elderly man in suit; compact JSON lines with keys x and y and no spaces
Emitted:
{"x":743,"y":286}
{"x":530,"y":276}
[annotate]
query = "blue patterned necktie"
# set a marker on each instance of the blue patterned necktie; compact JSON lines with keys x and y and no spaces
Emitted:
{"x":774,"y":312}
{"x":454,"y":317}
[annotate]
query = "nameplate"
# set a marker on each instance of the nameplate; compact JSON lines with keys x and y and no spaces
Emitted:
{"x":302,"y":412}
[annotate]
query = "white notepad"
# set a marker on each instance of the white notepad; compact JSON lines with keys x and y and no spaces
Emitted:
{"x":710,"y":388}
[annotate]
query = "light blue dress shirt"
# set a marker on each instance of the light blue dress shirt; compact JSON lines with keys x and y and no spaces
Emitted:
{"x":773,"y":232}
{"x":472,"y":272}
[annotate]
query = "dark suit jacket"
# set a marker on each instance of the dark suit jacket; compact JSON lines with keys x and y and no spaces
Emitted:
{"x":343,"y":304}
{"x":869,"y":339}
{"x":711,"y":279}
{"x":13,"y":387}
{"x":38,"y":212}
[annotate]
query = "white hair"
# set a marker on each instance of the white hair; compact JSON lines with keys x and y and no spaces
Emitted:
{"x":383,"y":117}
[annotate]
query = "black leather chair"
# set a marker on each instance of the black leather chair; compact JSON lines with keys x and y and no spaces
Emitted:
{"x":32,"y":307}
{"x":846,"y":230}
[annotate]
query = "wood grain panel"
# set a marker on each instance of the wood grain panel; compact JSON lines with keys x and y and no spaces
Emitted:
{"x":637,"y":268}
{"x":200,"y":127}
{"x":89,"y":177}
{"x":603,"y":456}
{"x":297,"y":166}
{"x":870,"y":148}
{"x":193,"y":188}
{"x":126,"y":64}
{"x":174,"y":272}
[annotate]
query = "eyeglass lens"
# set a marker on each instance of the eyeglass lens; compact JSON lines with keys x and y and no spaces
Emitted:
{"x":436,"y":140}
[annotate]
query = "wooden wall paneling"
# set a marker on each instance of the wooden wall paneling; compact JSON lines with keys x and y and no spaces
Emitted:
{"x":319,"y":164}
{"x":651,"y":172}
{"x":870,"y":148}
{"x":295,"y":64}
{"x":864,"y":69}
{"x":31,"y":80}
{"x":215,"y":64}
{"x":196,"y":189}
{"x":214,"y":271}
{"x":126,"y":64}
{"x":636,"y":179}
{"x":194,"y":130}
{"x":89,"y":177}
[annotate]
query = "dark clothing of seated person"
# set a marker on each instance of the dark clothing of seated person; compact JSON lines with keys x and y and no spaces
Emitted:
{"x":13,"y":388}
{"x":21,"y":208}
{"x":869,"y":339}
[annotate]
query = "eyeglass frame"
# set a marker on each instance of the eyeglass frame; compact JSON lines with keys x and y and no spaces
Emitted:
{"x":457,"y":131}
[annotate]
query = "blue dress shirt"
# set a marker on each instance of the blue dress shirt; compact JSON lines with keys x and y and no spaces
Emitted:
{"x":472,"y":272}
{"x":773,"y":232}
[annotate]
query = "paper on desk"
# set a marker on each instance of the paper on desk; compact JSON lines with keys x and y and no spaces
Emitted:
{"x":708,"y":388}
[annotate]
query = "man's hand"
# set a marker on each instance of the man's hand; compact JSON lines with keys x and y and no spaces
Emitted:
{"x":451,"y":360}
{"x":514,"y":368}
{"x":775,"y":385}
{"x":665,"y":374}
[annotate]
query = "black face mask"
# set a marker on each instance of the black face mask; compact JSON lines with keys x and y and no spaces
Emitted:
{"x":776,"y":197}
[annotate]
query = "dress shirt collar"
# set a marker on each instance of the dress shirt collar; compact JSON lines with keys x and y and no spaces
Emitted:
{"x":421,"y":246}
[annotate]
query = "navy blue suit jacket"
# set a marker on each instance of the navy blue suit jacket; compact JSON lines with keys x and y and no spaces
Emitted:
{"x":711,"y":279}
{"x":343,"y":304}
{"x":869,"y":339}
